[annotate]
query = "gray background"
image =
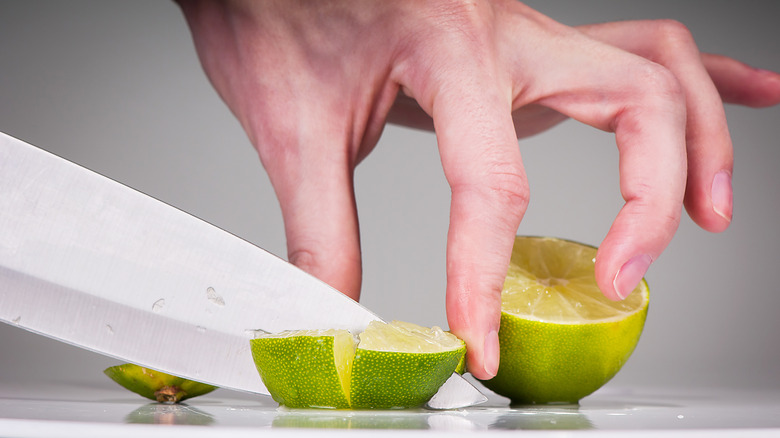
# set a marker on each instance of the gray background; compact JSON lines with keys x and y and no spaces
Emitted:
{"x":116,"y":87}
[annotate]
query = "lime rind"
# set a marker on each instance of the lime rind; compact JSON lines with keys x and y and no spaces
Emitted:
{"x":553,"y":377}
{"x":156,"y":385}
{"x":393,"y":380}
{"x":560,"y":337}
{"x":299,"y":369}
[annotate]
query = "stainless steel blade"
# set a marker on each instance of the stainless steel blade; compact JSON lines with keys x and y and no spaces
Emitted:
{"x":94,"y":263}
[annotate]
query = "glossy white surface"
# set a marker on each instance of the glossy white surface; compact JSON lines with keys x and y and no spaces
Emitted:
{"x":101,"y":410}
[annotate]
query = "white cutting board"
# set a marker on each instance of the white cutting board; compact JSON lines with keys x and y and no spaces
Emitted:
{"x":72,"y":410}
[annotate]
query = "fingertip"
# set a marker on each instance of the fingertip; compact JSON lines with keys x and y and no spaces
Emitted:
{"x":482,"y":354}
{"x":491,"y":354}
{"x":617,"y":279}
{"x":606,"y":274}
{"x":625,"y":256}
{"x":722,"y":193}
{"x":475,"y":318}
{"x":771,"y":90}
{"x":742,"y":84}
{"x":711,"y":207}
{"x":630,"y":274}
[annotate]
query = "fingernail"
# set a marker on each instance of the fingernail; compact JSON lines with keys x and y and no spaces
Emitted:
{"x":630,"y":274}
{"x":491,"y":353}
{"x":722,"y":195}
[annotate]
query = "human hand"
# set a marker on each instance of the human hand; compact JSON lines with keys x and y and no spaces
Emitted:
{"x":313,"y":84}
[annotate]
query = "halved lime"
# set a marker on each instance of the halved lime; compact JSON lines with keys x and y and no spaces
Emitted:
{"x":560,"y":338}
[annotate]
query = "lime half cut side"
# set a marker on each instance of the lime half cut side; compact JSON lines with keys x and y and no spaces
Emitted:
{"x":560,"y":338}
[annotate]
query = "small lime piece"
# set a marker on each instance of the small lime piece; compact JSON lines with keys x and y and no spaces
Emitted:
{"x":156,"y":385}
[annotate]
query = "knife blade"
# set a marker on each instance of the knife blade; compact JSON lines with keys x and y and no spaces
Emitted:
{"x":94,"y":263}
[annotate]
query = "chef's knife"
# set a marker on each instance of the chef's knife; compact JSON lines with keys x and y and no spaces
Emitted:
{"x":91,"y":262}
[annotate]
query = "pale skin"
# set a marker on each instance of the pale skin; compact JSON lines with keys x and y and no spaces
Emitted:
{"x":313,"y":84}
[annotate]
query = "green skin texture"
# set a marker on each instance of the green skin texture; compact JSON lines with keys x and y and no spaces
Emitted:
{"x":563,"y":370}
{"x":384,"y":380}
{"x":147,"y":383}
{"x":379,"y":380}
{"x":293,"y":375}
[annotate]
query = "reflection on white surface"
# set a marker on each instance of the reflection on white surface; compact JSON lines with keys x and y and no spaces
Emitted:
{"x":170,"y":414}
{"x":72,"y":410}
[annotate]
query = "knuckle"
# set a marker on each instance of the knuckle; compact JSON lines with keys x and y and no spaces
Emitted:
{"x":673,"y":35}
{"x":455,"y":11}
{"x":510,"y":184}
{"x":649,"y":203}
{"x":304,"y":259}
{"x":659,"y":82}
{"x":655,"y":90}
{"x":502,"y":184}
{"x":464,"y":18}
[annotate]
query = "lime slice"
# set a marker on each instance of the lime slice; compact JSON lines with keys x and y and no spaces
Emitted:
{"x":396,"y":365}
{"x":560,"y":338}
{"x":155,"y":385}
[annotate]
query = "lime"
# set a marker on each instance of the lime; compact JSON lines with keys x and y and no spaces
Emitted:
{"x":156,"y":385}
{"x":560,"y":338}
{"x":395,"y":365}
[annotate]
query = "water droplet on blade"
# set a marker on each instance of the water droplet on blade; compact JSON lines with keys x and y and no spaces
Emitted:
{"x":214,"y":297}
{"x":254,"y":332}
{"x":17,"y":319}
{"x":158,"y":305}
